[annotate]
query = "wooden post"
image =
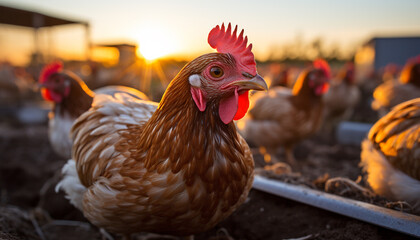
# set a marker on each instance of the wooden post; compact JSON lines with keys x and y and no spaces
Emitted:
{"x":37,"y":23}
{"x":88,"y":41}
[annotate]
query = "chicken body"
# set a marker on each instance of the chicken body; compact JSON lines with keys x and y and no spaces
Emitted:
{"x":341,"y":98}
{"x":72,"y":98}
{"x":283,"y":117}
{"x":176,"y":168}
{"x":390,"y":154}
{"x":391,"y":93}
{"x":191,"y":180}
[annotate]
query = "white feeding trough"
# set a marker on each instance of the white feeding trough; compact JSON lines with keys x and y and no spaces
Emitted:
{"x":352,"y":132}
{"x":34,"y":113}
{"x":387,"y":218}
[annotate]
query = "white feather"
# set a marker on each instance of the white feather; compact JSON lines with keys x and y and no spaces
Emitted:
{"x":195,"y":80}
{"x":59,"y":134}
{"x":386,"y":180}
{"x":71,"y":184}
{"x":107,"y":152}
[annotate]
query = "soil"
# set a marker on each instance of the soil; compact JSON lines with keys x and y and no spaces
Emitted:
{"x":30,"y":208}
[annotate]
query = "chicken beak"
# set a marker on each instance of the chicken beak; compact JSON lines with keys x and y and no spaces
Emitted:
{"x":255,"y":83}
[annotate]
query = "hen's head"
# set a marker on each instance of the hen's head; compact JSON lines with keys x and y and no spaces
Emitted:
{"x":55,"y":85}
{"x":319,"y":77}
{"x":225,"y":77}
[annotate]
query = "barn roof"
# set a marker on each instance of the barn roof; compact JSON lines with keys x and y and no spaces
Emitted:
{"x":392,"y":38}
{"x":26,"y":18}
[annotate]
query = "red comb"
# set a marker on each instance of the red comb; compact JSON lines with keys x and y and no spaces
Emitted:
{"x":226,"y":42}
{"x":323,"y":65}
{"x":50,"y":69}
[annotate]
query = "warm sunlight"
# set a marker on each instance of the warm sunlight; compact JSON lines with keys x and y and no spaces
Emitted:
{"x":107,"y":55}
{"x":155,"y":42}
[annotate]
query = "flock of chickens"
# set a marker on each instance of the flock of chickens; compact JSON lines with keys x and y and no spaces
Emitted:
{"x":182,"y":165}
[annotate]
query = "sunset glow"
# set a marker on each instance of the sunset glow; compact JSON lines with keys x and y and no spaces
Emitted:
{"x":178,"y":29}
{"x":104,"y":54}
{"x":155,"y":42}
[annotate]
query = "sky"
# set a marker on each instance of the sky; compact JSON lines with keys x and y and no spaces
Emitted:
{"x":180,"y":28}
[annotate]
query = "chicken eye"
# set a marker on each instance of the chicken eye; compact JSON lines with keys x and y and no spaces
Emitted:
{"x":216,"y":72}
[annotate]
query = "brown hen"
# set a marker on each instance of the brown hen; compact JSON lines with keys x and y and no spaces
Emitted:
{"x":283,"y":117}
{"x":391,"y":93}
{"x":179,"y":167}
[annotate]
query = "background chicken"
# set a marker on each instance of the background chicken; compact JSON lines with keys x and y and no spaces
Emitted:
{"x":390,"y":154}
{"x":283,"y":117}
{"x":179,"y":167}
{"x":391,"y":93}
{"x":341,"y":98}
{"x":71,"y":97}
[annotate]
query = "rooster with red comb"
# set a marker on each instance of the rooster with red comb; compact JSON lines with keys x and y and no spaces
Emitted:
{"x":178,"y":167}
{"x":71,"y":97}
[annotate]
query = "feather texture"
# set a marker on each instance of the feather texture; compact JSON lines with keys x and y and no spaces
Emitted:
{"x":174,"y":167}
{"x":282,"y":116}
{"x":391,"y":154}
{"x":391,"y":93}
{"x":275,"y":119}
{"x":78,"y":100}
{"x":184,"y":175}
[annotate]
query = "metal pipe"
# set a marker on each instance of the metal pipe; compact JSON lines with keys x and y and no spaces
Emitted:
{"x":387,"y":218}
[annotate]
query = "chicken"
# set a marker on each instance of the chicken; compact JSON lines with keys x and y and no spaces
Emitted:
{"x":178,"y":167}
{"x":390,"y":154}
{"x":71,"y":98}
{"x":391,"y":93}
{"x":341,"y":98}
{"x":283,"y":117}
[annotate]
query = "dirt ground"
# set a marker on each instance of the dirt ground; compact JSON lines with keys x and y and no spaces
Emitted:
{"x":30,"y":209}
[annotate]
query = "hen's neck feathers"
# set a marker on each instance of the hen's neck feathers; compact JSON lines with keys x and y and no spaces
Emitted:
{"x":190,"y":139}
{"x":77,"y":102}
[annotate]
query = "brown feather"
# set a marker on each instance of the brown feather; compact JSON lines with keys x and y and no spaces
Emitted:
{"x":79,"y":99}
{"x":181,"y":172}
{"x":283,"y":117}
{"x":397,"y":136}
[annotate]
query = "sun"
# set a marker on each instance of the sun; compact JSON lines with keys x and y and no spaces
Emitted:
{"x":155,"y":42}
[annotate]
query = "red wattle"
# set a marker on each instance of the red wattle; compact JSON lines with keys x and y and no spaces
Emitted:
{"x":46,"y":94}
{"x":51,"y":95}
{"x":322,"y":89}
{"x":243,"y":105}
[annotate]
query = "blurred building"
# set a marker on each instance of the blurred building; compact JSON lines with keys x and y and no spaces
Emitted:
{"x":380,"y":52}
{"x":126,"y":52}
{"x":36,"y":20}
